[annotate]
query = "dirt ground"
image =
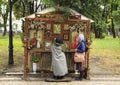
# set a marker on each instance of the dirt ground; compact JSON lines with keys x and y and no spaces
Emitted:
{"x":96,"y":68}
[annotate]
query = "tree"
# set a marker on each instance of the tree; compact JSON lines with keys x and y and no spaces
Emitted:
{"x":4,"y":13}
{"x":109,"y":7}
{"x":116,"y":16}
{"x":98,"y":10}
{"x":22,"y":8}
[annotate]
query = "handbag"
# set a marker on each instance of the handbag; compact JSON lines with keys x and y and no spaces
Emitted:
{"x":79,"y":57}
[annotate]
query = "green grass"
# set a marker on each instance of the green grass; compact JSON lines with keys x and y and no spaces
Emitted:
{"x":4,"y":51}
{"x":107,"y":43}
{"x":103,"y":46}
{"x":4,"y":42}
{"x":108,"y":47}
{"x":108,"y":51}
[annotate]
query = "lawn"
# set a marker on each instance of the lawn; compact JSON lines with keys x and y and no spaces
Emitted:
{"x":107,"y":43}
{"x":107,"y":50}
{"x":4,"y":51}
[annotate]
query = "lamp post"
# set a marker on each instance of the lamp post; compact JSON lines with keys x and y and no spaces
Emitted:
{"x":10,"y":61}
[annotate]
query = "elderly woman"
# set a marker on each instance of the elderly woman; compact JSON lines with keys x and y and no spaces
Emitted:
{"x":58,"y":59}
{"x":81,"y":47}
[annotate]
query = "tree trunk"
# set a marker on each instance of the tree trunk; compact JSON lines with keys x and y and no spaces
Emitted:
{"x":95,"y":32}
{"x":113,"y":29}
{"x":5,"y":17}
{"x":36,"y":6}
{"x":31,"y":7}
{"x":5,"y":30}
{"x":23,"y":15}
{"x":112,"y":24}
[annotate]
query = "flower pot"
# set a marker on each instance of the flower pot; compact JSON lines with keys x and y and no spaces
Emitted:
{"x":34,"y":67}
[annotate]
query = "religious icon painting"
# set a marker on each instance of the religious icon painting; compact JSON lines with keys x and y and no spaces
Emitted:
{"x":48,"y":34}
{"x":65,"y":47}
{"x":48,"y":26}
{"x":65,"y":36}
{"x":66,"y":27}
{"x":57,"y":28}
{"x":48,"y":45}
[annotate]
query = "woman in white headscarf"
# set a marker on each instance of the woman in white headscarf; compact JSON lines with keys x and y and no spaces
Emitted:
{"x":81,"y":47}
{"x":58,"y":59}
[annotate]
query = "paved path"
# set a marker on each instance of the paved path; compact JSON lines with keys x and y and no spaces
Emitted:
{"x":35,"y":81}
{"x":16,"y":79}
{"x":59,"y":83}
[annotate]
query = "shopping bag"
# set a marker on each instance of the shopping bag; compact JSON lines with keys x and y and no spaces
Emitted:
{"x":79,"y":57}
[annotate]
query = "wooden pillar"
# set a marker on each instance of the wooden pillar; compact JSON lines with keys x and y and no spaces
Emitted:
{"x":25,"y":58}
{"x":88,"y":52}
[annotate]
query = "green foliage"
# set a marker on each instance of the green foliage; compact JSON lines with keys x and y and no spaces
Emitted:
{"x":51,"y":3}
{"x":35,"y":58}
{"x":92,"y":36}
{"x":64,"y":11}
{"x":103,"y":35}
{"x":109,"y":23}
{"x":89,"y":8}
{"x":102,"y":26}
{"x":21,"y":8}
{"x":67,"y":13}
{"x":116,"y":16}
{"x":1,"y":25}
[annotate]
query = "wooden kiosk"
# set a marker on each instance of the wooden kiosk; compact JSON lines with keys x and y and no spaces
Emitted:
{"x":39,"y":33}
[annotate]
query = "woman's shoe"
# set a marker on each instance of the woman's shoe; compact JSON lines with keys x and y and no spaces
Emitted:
{"x":81,"y":76}
{"x":77,"y":78}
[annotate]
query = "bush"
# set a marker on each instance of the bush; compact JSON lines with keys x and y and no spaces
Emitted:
{"x":92,"y":35}
{"x":35,"y":58}
{"x":103,"y":35}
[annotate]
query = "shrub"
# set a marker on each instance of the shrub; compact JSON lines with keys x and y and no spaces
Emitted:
{"x":92,"y":35}
{"x":103,"y":35}
{"x":35,"y":58}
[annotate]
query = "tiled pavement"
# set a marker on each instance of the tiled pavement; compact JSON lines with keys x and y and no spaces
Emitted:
{"x":90,"y":82}
{"x":95,"y":80}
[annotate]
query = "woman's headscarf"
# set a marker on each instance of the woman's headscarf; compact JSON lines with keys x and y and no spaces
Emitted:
{"x":81,"y":37}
